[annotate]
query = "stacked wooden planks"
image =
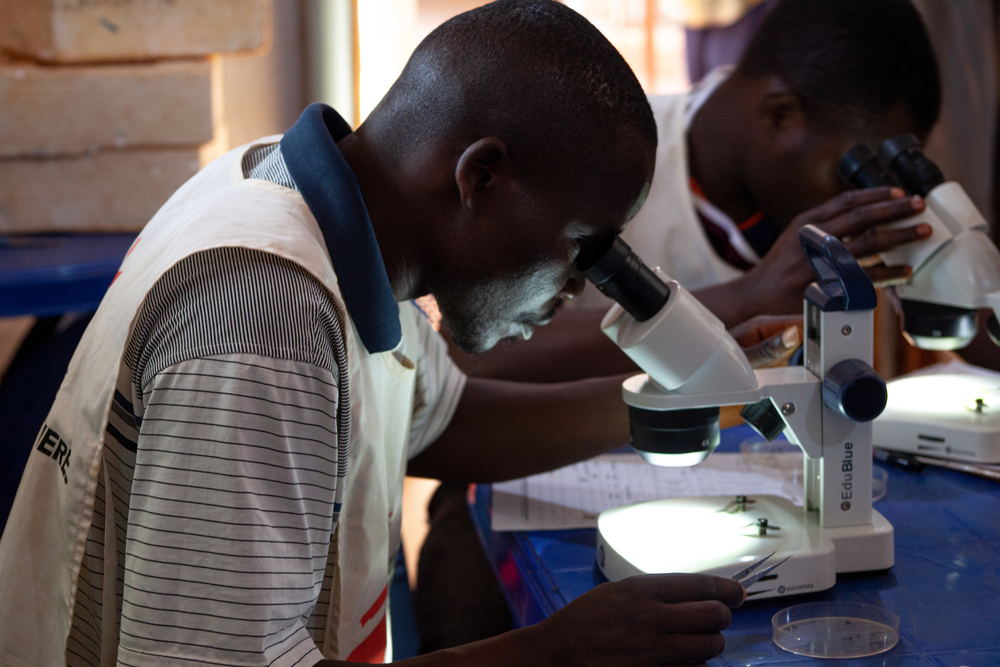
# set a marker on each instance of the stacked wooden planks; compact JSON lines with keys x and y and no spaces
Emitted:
{"x":108,"y":106}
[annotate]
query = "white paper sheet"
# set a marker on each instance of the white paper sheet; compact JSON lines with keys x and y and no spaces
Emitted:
{"x":573,"y":496}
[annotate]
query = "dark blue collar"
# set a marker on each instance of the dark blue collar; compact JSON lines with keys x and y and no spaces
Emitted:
{"x":328,"y":185}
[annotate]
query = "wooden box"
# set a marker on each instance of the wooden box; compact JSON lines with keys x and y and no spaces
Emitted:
{"x":64,"y":31}
{"x":71,"y":110}
{"x":106,"y":191}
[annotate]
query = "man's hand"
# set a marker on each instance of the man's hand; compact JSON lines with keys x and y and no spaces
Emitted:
{"x":768,"y":340}
{"x":655,"y":619}
{"x":644,"y":620}
{"x":776,"y":284}
{"x":779,"y":280}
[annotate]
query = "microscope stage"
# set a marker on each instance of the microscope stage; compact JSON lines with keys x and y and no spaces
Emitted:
{"x":951,"y":416}
{"x":712,"y":535}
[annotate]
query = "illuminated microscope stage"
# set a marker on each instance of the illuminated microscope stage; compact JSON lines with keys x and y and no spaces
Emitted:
{"x":952,"y":416}
{"x":712,"y":535}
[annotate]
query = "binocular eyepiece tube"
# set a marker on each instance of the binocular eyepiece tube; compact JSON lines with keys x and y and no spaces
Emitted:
{"x":905,"y":157}
{"x":900,"y":161}
{"x":618,"y":273}
{"x":863,"y":168}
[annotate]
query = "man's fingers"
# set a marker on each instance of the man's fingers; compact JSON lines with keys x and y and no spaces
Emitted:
{"x":762,"y":327}
{"x":690,"y":588}
{"x":857,"y":220}
{"x":873,"y":242}
{"x":775,"y":349}
{"x":847,"y":201}
{"x":888,"y":276}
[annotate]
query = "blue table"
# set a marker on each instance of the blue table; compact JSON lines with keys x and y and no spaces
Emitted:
{"x":52,"y":274}
{"x":46,"y":275}
{"x":945,"y":586}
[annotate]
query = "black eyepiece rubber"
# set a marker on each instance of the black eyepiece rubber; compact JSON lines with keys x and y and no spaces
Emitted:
{"x":862,"y":167}
{"x":617,"y":271}
{"x":905,"y":156}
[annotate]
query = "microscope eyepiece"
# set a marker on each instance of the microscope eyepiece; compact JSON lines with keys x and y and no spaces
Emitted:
{"x":617,"y":271}
{"x":863,"y":168}
{"x":905,"y":156}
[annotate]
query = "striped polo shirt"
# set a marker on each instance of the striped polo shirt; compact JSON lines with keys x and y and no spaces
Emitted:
{"x":221,"y":456}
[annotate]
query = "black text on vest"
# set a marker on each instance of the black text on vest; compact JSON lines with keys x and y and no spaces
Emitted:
{"x":50,"y":444}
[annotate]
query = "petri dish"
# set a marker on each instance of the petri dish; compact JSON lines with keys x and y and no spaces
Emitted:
{"x":835,"y":629}
{"x":880,"y":482}
{"x":757,"y":445}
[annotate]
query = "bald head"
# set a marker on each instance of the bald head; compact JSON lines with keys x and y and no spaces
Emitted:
{"x":534,"y":74}
{"x":515,"y":136}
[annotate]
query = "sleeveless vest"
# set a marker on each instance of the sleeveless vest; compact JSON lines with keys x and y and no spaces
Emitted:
{"x":43,"y":544}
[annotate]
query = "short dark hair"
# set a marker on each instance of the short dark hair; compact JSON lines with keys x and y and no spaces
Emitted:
{"x":849,"y":61}
{"x":533,"y":73}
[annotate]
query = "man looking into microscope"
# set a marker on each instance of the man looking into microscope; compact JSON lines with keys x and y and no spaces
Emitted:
{"x":744,"y":160}
{"x":218,"y":481}
{"x":748,"y":157}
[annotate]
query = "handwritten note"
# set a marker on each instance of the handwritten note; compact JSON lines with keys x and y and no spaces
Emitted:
{"x":573,"y":496}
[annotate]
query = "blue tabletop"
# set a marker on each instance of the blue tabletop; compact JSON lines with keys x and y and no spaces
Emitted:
{"x":945,"y":586}
{"x":52,"y":274}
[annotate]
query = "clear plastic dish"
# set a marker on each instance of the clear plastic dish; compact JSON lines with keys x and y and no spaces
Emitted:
{"x":835,"y":629}
{"x":757,"y":445}
{"x":880,"y":483}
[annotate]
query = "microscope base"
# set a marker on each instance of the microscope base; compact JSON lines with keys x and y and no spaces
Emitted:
{"x":937,"y":415}
{"x":712,"y":535}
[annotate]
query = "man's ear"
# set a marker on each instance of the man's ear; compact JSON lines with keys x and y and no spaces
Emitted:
{"x":478,"y":167}
{"x":780,"y":110}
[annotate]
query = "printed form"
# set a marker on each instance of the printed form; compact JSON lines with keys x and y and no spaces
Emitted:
{"x":573,"y":496}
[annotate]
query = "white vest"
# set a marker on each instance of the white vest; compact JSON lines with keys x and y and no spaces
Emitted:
{"x":43,"y":544}
{"x":666,"y":232}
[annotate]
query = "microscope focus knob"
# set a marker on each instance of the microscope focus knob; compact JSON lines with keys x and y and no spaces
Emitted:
{"x":855,"y":390}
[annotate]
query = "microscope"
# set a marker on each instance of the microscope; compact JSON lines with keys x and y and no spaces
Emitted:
{"x":956,"y":272}
{"x":692,"y":367}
